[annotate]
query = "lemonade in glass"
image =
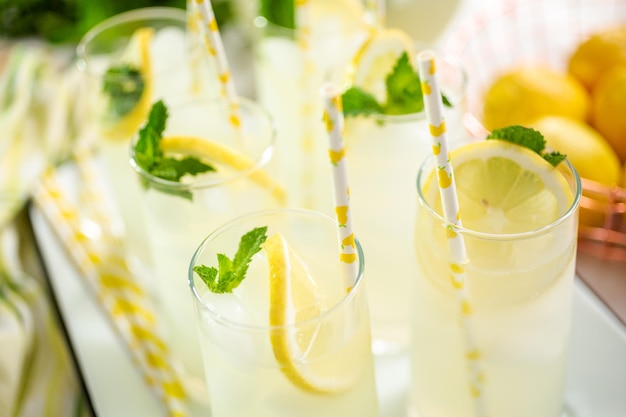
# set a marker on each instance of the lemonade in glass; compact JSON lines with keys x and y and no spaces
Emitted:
{"x":383,"y":148}
{"x":293,"y":58}
{"x":129,"y":61}
{"x":196,"y":172}
{"x":519,"y":216}
{"x":288,"y":333}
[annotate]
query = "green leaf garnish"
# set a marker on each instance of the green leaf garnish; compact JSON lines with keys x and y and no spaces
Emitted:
{"x":231,"y":272}
{"x":124,"y":84}
{"x":150,"y":157}
{"x":357,"y":102}
{"x":529,"y":138}
{"x":279,"y":12}
{"x":404,"y":88}
{"x":404,"y":94}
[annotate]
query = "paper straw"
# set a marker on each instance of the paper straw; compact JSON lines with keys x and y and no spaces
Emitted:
{"x":309,"y":99}
{"x":123,"y":301}
{"x":433,"y":104}
{"x":193,"y":31}
{"x":215,"y":47}
{"x":333,"y":116}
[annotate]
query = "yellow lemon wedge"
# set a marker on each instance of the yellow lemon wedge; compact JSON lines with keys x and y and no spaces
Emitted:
{"x":504,"y":188}
{"x":294,"y":298}
{"x":216,"y":151}
{"x":376,"y":58}
{"x":138,"y":53}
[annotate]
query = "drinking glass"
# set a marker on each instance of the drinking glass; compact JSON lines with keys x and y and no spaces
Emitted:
{"x":129,"y":61}
{"x":288,"y":79}
{"x":520,"y":288}
{"x":178,"y":214}
{"x":383,"y":153}
{"x":318,"y":364}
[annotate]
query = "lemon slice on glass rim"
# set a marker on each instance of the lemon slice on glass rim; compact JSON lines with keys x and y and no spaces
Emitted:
{"x":376,"y":58}
{"x":138,"y":53}
{"x":203,"y":148}
{"x":294,"y":298}
{"x":503,"y":188}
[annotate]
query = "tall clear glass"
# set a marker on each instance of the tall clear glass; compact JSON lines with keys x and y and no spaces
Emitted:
{"x":520,"y":289}
{"x":319,"y":364}
{"x":128,"y":62}
{"x":383,"y":153}
{"x":178,"y":214}
{"x":288,"y":79}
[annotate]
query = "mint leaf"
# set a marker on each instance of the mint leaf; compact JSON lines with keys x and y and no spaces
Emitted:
{"x":279,"y":12}
{"x":150,"y":157}
{"x":357,"y":102}
{"x":404,"y":88}
{"x":230,"y":273}
{"x":554,"y":158}
{"x":124,"y":84}
{"x":521,"y":135}
{"x":404,"y":94}
{"x":529,"y":138}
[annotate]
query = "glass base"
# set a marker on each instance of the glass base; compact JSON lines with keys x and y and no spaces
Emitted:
{"x":565,"y":412}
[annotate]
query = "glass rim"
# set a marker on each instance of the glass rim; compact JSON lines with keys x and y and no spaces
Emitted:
{"x":459,"y":95}
{"x":225,"y":321}
{"x":260,"y":22}
{"x":425,"y":170}
{"x":263,"y":159}
{"x":144,"y":13}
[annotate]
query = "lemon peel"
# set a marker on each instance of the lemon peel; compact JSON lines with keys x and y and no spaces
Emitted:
{"x":376,"y":58}
{"x":294,"y":299}
{"x":124,"y":127}
{"x":210,"y":149}
{"x":504,"y":188}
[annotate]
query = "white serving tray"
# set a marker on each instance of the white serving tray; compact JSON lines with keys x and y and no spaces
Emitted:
{"x":596,"y":382}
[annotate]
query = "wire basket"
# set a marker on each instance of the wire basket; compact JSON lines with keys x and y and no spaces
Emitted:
{"x":545,"y":32}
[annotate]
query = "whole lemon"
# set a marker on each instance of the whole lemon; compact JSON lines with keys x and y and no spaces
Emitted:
{"x":608,"y":113}
{"x":586,"y":149}
{"x":531,"y":91}
{"x":599,"y":53}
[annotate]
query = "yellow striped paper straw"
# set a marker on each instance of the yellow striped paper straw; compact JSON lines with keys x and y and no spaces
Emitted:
{"x":433,"y":105}
{"x":215,"y":47}
{"x":333,"y":117}
{"x":308,"y":100}
{"x":193,"y":31}
{"x":122,"y":299}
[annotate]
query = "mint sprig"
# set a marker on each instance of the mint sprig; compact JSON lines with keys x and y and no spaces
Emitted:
{"x":279,"y":12}
{"x":150,"y":157}
{"x":124,"y":84}
{"x":529,"y":138}
{"x":404,"y":94}
{"x":231,"y":272}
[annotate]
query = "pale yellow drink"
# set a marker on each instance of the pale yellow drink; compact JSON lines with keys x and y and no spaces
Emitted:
{"x":519,"y":286}
{"x":170,"y":65}
{"x":319,"y":362}
{"x":178,"y":214}
{"x":288,"y":78}
{"x":381,"y":154}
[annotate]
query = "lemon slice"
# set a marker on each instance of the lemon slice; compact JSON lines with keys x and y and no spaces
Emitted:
{"x":504,"y":188}
{"x":294,"y":298}
{"x":216,"y":151}
{"x":138,"y":50}
{"x":376,"y":58}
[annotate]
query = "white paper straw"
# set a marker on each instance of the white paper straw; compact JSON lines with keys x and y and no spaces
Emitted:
{"x":433,"y":104}
{"x":333,"y":116}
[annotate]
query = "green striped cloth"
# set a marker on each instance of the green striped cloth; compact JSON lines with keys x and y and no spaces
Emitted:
{"x":37,"y":128}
